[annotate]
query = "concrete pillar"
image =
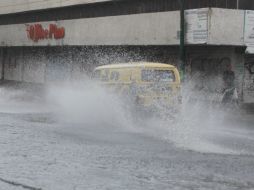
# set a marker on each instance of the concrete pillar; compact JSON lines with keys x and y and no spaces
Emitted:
{"x":2,"y":54}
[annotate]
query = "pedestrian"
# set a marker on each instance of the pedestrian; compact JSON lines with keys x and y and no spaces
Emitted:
{"x":229,"y":90}
{"x":229,"y":77}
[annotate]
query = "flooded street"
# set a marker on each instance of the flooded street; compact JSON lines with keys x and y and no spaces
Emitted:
{"x":82,"y":138}
{"x":126,"y":95}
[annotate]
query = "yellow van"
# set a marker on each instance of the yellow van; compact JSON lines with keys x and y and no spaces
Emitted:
{"x":148,"y":84}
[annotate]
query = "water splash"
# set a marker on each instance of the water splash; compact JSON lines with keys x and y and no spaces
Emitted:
{"x":199,"y":126}
{"x":88,"y":103}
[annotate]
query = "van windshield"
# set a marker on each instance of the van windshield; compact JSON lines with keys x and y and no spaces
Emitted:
{"x":150,"y":75}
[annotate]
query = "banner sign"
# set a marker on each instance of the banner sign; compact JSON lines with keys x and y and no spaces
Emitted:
{"x":249,"y":31}
{"x":196,"y":26}
{"x":248,"y":87}
{"x":37,"y":32}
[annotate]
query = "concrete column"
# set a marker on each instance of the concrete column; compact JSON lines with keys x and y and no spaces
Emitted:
{"x":1,"y":64}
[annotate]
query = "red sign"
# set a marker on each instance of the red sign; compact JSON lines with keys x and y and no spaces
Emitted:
{"x":36,"y":32}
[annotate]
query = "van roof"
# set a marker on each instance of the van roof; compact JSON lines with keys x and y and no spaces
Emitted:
{"x":135,"y":64}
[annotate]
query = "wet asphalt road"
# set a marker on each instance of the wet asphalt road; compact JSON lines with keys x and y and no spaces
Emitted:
{"x":40,"y":151}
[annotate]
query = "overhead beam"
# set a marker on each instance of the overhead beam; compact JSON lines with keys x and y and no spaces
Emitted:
{"x":8,"y":7}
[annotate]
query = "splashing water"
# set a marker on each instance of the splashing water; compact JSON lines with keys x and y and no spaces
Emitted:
{"x":199,"y":126}
{"x":14,"y":99}
{"x":88,"y":103}
{"x":205,"y":126}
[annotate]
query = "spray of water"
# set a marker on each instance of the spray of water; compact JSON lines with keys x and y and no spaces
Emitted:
{"x":89,"y":104}
{"x":199,"y":126}
{"x":15,"y":98}
{"x":205,"y":125}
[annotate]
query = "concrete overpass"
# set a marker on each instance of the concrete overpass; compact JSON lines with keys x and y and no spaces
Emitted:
{"x":212,"y":26}
{"x":64,"y":39}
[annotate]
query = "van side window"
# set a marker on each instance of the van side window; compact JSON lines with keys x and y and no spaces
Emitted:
{"x":105,"y":75}
{"x":114,"y":76}
{"x":157,"y":75}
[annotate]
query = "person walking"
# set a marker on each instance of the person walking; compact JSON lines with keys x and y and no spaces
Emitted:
{"x":229,"y":90}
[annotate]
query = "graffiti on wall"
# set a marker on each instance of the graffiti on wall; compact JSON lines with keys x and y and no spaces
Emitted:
{"x":248,"y":85}
{"x":37,"y":32}
{"x":250,"y":68}
{"x":212,"y":65}
{"x":206,"y":72}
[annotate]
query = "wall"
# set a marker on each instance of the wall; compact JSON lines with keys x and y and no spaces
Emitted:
{"x":223,"y":27}
{"x":142,"y":29}
{"x":42,"y":65}
{"x":226,"y":27}
{"x":248,"y":85}
{"x":53,"y":64}
{"x":20,"y":66}
{"x":206,"y":67}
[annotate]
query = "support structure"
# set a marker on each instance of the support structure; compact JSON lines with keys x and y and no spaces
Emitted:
{"x":182,"y":37}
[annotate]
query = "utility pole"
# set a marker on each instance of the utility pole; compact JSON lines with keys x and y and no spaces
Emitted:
{"x":182,"y":37}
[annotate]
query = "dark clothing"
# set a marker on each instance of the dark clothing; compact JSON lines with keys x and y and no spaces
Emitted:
{"x":228,"y":96}
{"x":229,"y":86}
{"x":229,"y":79}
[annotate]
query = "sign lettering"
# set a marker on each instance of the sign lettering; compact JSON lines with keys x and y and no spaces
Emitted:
{"x":36,"y":32}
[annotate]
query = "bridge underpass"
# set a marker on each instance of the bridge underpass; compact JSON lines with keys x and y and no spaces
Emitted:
{"x":76,"y":135}
{"x":149,"y":36}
